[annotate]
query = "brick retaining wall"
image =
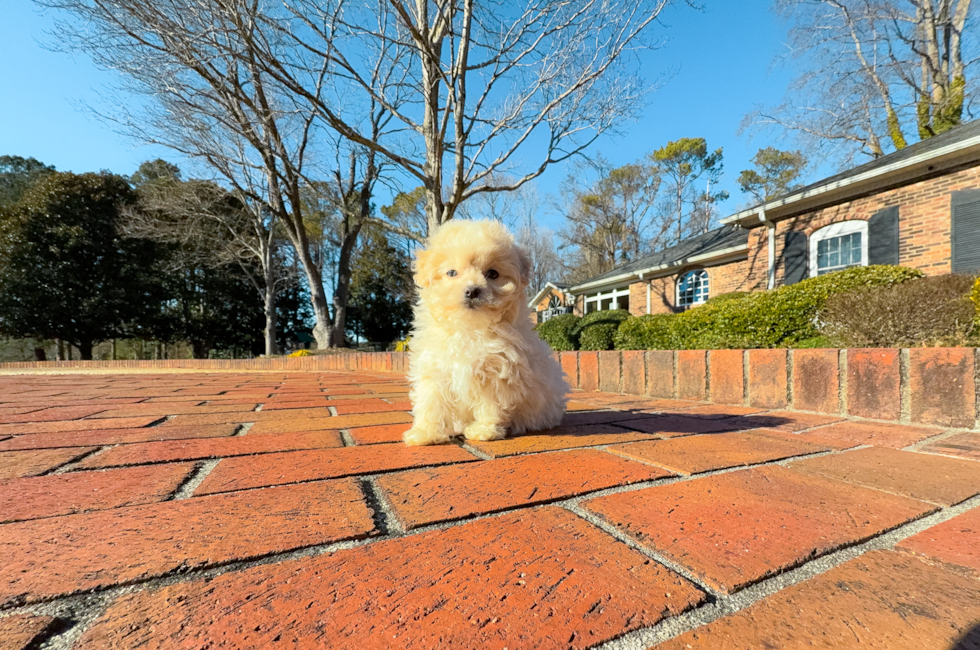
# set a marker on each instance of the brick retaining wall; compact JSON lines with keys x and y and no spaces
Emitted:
{"x":935,"y":386}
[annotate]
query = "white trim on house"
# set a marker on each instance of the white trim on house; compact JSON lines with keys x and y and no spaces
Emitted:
{"x":598,"y":297}
{"x":533,"y":303}
{"x":661,"y":270}
{"x":908,"y":171}
{"x":704,"y":282}
{"x":839,"y":229}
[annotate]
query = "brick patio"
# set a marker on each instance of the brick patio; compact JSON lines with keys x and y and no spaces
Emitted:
{"x":279,"y":509}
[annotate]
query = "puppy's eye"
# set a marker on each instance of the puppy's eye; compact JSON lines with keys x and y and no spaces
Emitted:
{"x":492,"y":274}
{"x":451,"y":273}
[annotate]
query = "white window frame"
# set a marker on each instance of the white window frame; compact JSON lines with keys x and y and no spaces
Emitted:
{"x":699,"y":300}
{"x":839,"y":229}
{"x":615,"y":294}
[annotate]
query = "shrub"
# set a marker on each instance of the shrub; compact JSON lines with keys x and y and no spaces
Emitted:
{"x":558,"y":332}
{"x":301,"y":353}
{"x":975,"y":297}
{"x":765,"y":319}
{"x":927,"y":311}
{"x":595,"y":331}
{"x":725,"y":297}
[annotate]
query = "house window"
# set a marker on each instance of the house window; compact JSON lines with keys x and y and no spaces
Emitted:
{"x":839,"y":246}
{"x":605,"y":300}
{"x":692,"y":288}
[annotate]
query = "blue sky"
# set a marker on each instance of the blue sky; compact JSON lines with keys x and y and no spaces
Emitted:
{"x":719,"y":59}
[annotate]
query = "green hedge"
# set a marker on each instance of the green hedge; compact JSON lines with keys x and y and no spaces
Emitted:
{"x":975,"y":297}
{"x":765,"y":319}
{"x":557,"y":332}
{"x":595,"y":331}
{"x":930,"y":311}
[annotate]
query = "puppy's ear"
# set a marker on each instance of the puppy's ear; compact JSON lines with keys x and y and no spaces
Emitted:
{"x":425,"y":268}
{"x":523,"y":265}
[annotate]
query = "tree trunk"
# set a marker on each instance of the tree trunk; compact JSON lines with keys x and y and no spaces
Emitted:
{"x":61,"y":349}
{"x":341,"y":294}
{"x":112,"y":349}
{"x":85,"y":350}
{"x":199,"y":348}
{"x":270,"y":319}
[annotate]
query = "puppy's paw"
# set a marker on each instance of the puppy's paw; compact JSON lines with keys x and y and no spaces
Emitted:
{"x":485,"y":431}
{"x":417,"y":436}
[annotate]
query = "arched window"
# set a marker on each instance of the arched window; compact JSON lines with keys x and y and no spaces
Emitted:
{"x":838,"y":246}
{"x":692,"y":288}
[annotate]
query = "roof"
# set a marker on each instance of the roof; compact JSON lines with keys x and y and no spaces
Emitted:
{"x":721,"y":241}
{"x":958,"y":147}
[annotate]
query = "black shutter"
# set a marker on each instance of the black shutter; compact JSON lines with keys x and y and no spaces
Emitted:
{"x":883,"y":237}
{"x":966,"y":231}
{"x":795,"y":257}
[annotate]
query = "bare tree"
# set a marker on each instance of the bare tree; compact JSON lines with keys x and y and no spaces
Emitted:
{"x":484,"y":86}
{"x":611,"y":216}
{"x":204,"y":65}
{"x":874,"y":73}
{"x":213,"y":228}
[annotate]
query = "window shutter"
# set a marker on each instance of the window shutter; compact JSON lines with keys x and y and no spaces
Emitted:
{"x":795,"y":257}
{"x":883,"y":237}
{"x":966,"y":231}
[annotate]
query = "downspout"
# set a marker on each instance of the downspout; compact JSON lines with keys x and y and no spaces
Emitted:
{"x":771,"y":248}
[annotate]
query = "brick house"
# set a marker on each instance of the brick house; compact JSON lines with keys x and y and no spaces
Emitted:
{"x":918,"y":207}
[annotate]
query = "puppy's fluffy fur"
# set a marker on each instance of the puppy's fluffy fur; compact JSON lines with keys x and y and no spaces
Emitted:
{"x":477,"y":366}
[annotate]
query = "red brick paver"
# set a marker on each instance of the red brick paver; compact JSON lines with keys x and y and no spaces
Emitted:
{"x":879,"y":434}
{"x":560,"y":438}
{"x":293,"y":467}
{"x":14,"y":464}
{"x":65,"y":494}
{"x":542,"y":579}
{"x":955,"y":542}
{"x":171,"y":450}
{"x":446,"y":493}
{"x":883,"y":601}
{"x":694,"y":454}
{"x":734,"y":529}
{"x":62,"y":555}
{"x":203,"y":521}
{"x":964,"y":445}
{"x":946,"y":481}
{"x":114,"y":436}
{"x":21,"y":632}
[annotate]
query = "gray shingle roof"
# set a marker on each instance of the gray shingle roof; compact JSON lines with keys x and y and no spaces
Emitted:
{"x":921,"y":148}
{"x":718,"y":239}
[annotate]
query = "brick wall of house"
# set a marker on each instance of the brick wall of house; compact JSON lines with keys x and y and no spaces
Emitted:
{"x":925,"y":223}
{"x":724,"y":278}
{"x":638,"y":298}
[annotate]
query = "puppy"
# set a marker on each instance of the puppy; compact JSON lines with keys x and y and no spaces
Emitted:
{"x":476,"y":365}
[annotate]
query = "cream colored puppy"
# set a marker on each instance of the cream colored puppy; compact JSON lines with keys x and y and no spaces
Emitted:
{"x":476,"y":364}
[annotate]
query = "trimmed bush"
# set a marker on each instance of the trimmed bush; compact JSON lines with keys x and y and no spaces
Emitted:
{"x":765,"y":319}
{"x":301,"y":353}
{"x":975,"y":297}
{"x":595,"y":331}
{"x":928,"y":311}
{"x":557,"y":332}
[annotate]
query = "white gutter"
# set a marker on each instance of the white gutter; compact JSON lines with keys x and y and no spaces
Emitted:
{"x":662,"y":267}
{"x":872,"y":174}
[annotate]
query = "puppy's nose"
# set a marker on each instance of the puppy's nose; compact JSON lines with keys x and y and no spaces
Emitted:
{"x":472,"y":293}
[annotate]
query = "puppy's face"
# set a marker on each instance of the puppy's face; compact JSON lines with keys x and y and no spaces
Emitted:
{"x":472,"y":272}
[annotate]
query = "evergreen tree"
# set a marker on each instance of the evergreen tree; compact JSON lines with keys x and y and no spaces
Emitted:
{"x":17,"y":175}
{"x":66,"y":272}
{"x":380,"y":307}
